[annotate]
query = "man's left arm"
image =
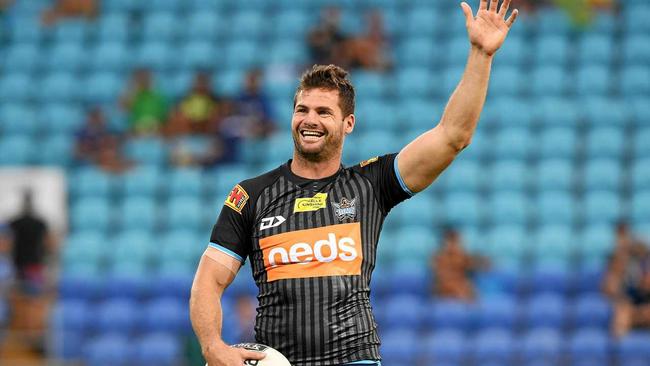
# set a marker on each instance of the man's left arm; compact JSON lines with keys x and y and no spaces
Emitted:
{"x":422,"y":160}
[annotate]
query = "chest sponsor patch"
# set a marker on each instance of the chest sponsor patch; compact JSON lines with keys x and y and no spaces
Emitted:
{"x":237,"y":198}
{"x":333,"y":250}
{"x":310,"y":203}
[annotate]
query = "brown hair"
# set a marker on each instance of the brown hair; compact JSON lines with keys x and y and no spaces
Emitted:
{"x":330,"y":77}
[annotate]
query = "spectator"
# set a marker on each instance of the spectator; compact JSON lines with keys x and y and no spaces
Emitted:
{"x":98,"y":144}
{"x":249,"y":116}
{"x":70,"y":8}
{"x":32,"y":243}
{"x":199,"y":112}
{"x":147,"y":106}
{"x":627,"y":282}
{"x":370,"y":50}
{"x":326,"y":41}
{"x":6,"y":274}
{"x":453,"y":268}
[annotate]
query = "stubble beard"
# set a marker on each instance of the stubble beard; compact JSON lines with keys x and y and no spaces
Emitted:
{"x":328,"y":150}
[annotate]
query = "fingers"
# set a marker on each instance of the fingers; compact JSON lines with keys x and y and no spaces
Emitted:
{"x":504,"y":8}
{"x":493,"y":5}
{"x":483,"y":5}
{"x":252,"y":355}
{"x":467,"y":10}
{"x":511,"y":18}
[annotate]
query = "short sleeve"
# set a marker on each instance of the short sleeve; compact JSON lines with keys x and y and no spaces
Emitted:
{"x":384,"y":175}
{"x":231,"y":233}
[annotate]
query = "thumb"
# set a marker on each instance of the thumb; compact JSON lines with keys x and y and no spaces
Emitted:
{"x":252,"y":355}
{"x":467,"y":10}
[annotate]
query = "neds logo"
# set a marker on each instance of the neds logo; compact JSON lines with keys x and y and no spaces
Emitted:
{"x":333,"y":250}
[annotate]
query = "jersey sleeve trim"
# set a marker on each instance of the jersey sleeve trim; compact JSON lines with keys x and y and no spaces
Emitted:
{"x":226,"y":251}
{"x":399,"y":178}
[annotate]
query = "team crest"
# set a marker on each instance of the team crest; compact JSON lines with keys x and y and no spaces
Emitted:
{"x":346,"y":209}
{"x":237,"y":198}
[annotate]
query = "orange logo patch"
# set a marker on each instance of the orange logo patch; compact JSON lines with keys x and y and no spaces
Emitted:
{"x":333,"y":250}
{"x":237,"y":198}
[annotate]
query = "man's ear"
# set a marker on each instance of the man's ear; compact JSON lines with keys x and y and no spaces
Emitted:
{"x":348,"y":124}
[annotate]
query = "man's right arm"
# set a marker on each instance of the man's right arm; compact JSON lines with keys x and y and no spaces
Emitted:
{"x":215,"y":272}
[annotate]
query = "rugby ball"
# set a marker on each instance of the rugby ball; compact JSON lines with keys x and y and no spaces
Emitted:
{"x":273,"y":357}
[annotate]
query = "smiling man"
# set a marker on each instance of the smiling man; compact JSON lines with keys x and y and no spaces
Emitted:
{"x":310,"y":227}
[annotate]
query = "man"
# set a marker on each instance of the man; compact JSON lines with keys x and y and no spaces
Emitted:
{"x":310,"y":227}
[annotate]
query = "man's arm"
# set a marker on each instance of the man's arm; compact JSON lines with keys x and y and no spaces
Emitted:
{"x":215,"y":272}
{"x":422,"y":160}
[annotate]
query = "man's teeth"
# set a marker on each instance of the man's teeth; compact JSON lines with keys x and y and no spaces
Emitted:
{"x":312,"y":133}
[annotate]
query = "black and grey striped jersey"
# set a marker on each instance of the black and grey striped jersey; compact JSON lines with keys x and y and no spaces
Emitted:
{"x":312,"y":247}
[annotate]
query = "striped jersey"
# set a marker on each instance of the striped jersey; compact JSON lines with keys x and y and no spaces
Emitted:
{"x":312,"y":246}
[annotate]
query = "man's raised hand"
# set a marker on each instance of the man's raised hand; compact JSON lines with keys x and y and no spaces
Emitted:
{"x":489,"y":28}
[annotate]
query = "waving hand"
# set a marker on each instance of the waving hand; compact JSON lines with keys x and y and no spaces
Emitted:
{"x":489,"y":28}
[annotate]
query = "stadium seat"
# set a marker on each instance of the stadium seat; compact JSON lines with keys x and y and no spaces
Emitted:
{"x":91,"y":214}
{"x":552,"y":50}
{"x":493,"y":345}
{"x":102,"y":87}
{"x":183,"y":212}
{"x":445,"y":346}
{"x":108,"y":350}
{"x":557,"y":142}
{"x":137,"y":212}
{"x":21,"y":57}
{"x":417,"y":52}
{"x":422,"y":21}
{"x":156,"y":55}
{"x":593,"y":80}
{"x":242,"y":54}
{"x":448,"y":315}
{"x":545,"y":310}
{"x":419,"y":113}
{"x":497,"y":312}
{"x":207,"y":24}
{"x":554,"y":174}
{"x":118,"y":315}
{"x":113,"y":27}
{"x":464,"y":175}
{"x":463,"y":208}
{"x":551,"y":274}
{"x":513,"y":52}
{"x":71,"y":316}
{"x":160,"y":26}
{"x":17,"y":87}
{"x":602,"y":206}
{"x":602,"y":174}
{"x":640,"y":174}
{"x":247,"y":24}
{"x":456,"y":53}
{"x":511,"y":112}
{"x":375,"y":114}
{"x":418,"y":212}
{"x":404,"y":312}
{"x":508,"y":175}
{"x":506,"y":245}
{"x":600,"y":111}
{"x":635,"y":18}
{"x":553,"y":21}
{"x":66,"y":56}
{"x":26,"y":29}
{"x":110,"y":56}
{"x":595,"y":243}
{"x":589,"y":345}
{"x":541,"y":344}
{"x":168,"y":5}
{"x":286,"y":53}
{"x":400,"y":345}
{"x":633,"y":347}
{"x":506,"y":80}
{"x":198,"y":55}
{"x":62,"y":118}
{"x":84,"y":246}
{"x":513,"y":143}
{"x":56,"y":150}
{"x":509,"y":207}
{"x":162,"y":349}
{"x":61,"y":87}
{"x":636,"y":49}
{"x":556,"y":111}
{"x":641,"y":148}
{"x":640,"y":206}
{"x":290,"y":23}
{"x":635,"y":81}
{"x":549,"y":80}
{"x":591,"y":311}
{"x":415,"y":82}
{"x":151,"y":151}
{"x":168,"y":315}
{"x":181,"y":245}
{"x":17,"y":119}
{"x":595,"y":49}
{"x":184,"y":181}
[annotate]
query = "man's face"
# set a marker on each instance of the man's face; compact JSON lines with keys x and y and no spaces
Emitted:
{"x":318,"y":125}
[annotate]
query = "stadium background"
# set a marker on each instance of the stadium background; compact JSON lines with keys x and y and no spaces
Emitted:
{"x":560,"y":155}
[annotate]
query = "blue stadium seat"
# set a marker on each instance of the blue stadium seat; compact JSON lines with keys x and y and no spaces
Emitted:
{"x":595,"y":49}
{"x":113,"y":27}
{"x":493,"y":345}
{"x":160,"y":26}
{"x":555,"y":207}
{"x":552,"y":50}
{"x":635,"y":18}
{"x":223,"y":179}
{"x":151,"y":151}
{"x":593,"y":80}
{"x":375,"y":114}
{"x":183,"y":212}
{"x":198,"y":55}
{"x":166,"y":314}
{"x":446,"y":346}
{"x":506,"y":175}
{"x":419,"y":113}
{"x":636,"y":49}
{"x":506,"y":245}
{"x":71,"y":316}
{"x":84,"y":246}
{"x":549,"y":275}
{"x":242,"y":54}
{"x":463,"y":208}
{"x":592,"y":311}
{"x":556,"y":111}
{"x":168,"y":5}
{"x":595,"y":243}
{"x":206,"y":25}
{"x":157,"y":55}
{"x":545,"y":310}
{"x":110,"y":56}
{"x":184,"y":181}
{"x":464,"y":175}
{"x":75,"y":30}
{"x":640,"y":174}
{"x":451,"y":76}
{"x":633,"y":347}
{"x":416,"y":82}
{"x":553,"y":21}
{"x":142,"y":181}
{"x":602,"y":173}
{"x":417,"y":52}
{"x":448,"y":314}
{"x":635,"y":80}
{"x":289,"y":53}
{"x":512,"y":112}
{"x":290,"y":23}
{"x":542,"y":344}
{"x":509,"y":207}
{"x":554,"y":174}
{"x":557,"y":142}
{"x":108,"y":350}
{"x":181,"y":245}
{"x":602,"y":206}
{"x":118,"y":315}
{"x":247,"y":24}
{"x":589,"y":345}
{"x":513,"y":143}
{"x":25,"y":29}
{"x":21,"y":57}
{"x":138,"y":212}
{"x":605,"y":23}
{"x":103,"y":87}
{"x":17,"y":119}
{"x":456,"y":53}
{"x":370,"y":84}
{"x":56,"y":150}
{"x":161,"y":349}
{"x":514,"y":52}
{"x":417,"y":212}
{"x":91,"y":214}
{"x":497,"y":312}
{"x":404,"y":312}
{"x":63,"y":118}
{"x":604,"y":111}
{"x":17,"y":87}
{"x":399,"y":346}
{"x":422,"y":21}
{"x":548,"y":80}
{"x":61,"y":87}
{"x":640,"y":206}
{"x":506,"y":80}
{"x":121,"y":6}
{"x":641,"y":147}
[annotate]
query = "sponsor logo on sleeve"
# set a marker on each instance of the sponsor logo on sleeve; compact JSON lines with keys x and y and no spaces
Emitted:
{"x":237,"y":198}
{"x":310,"y":203}
{"x":333,"y":250}
{"x":369,"y":161}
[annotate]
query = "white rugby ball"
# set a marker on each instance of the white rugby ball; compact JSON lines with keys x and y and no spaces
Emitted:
{"x":273,"y":357}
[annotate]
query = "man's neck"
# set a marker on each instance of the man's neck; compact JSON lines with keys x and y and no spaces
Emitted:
{"x":315,"y":170}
